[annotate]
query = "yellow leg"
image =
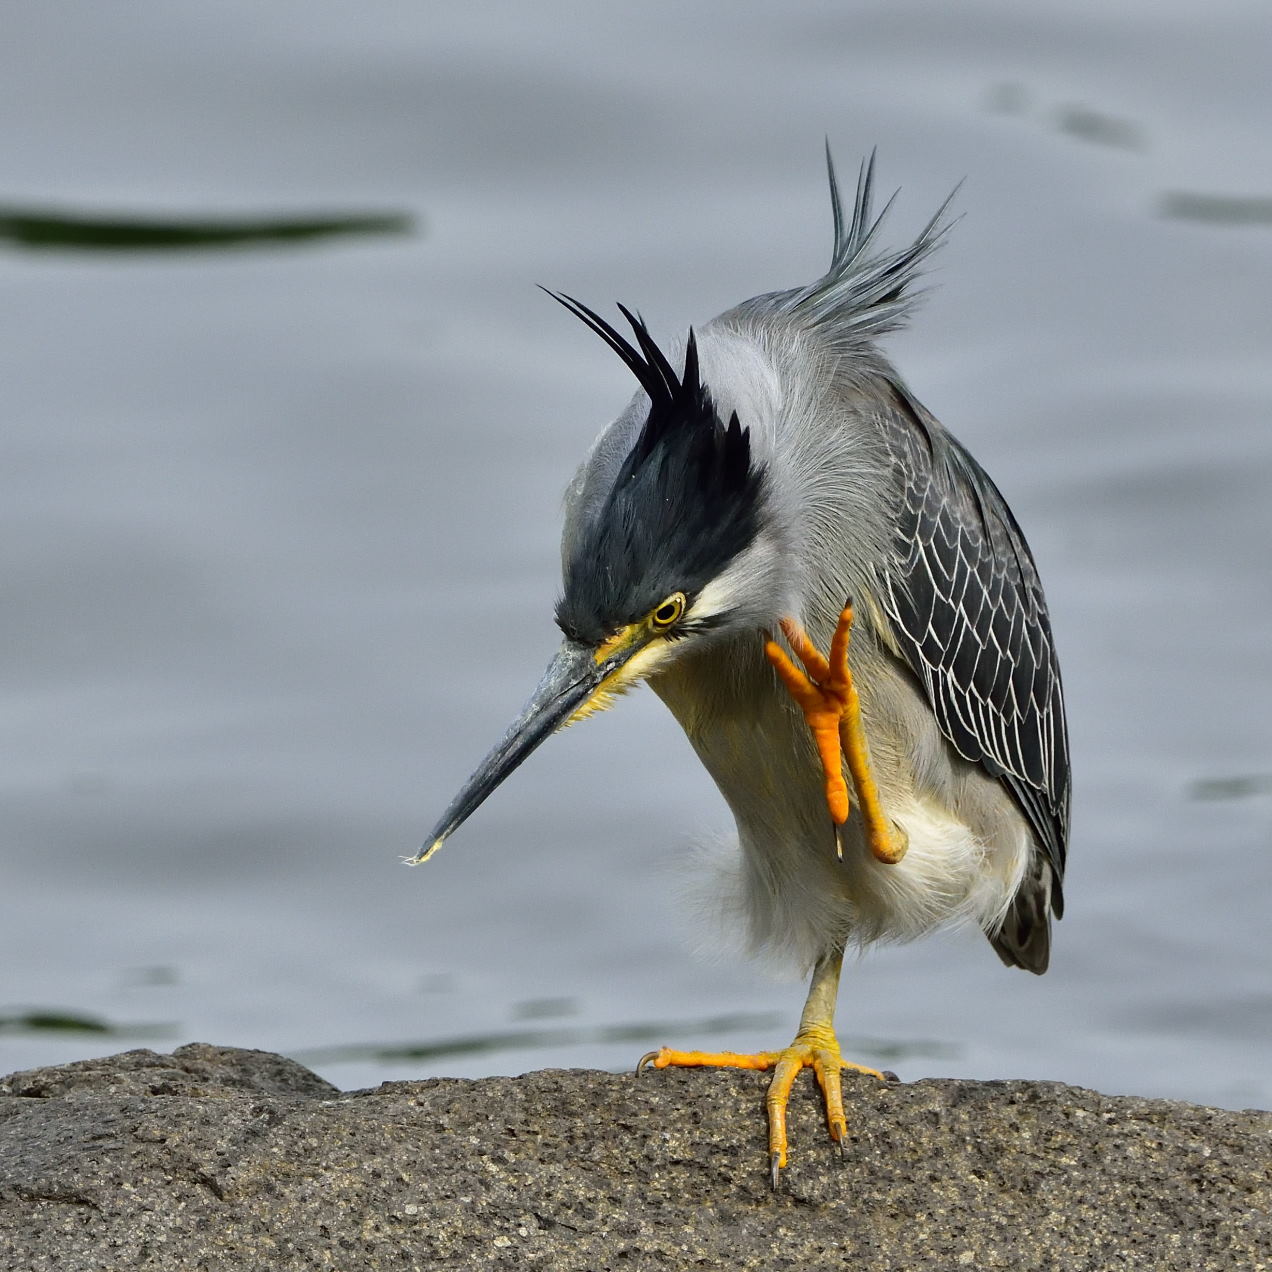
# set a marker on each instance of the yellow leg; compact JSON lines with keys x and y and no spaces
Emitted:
{"x":825,"y":692}
{"x":815,"y":1047}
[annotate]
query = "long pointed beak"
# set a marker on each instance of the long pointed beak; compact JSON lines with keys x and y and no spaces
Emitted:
{"x":573,"y":676}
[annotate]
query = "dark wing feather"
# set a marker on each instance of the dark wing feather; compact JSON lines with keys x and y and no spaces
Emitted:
{"x":971,"y":621}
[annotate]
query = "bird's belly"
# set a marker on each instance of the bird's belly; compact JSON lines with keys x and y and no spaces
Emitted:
{"x":798,"y":895}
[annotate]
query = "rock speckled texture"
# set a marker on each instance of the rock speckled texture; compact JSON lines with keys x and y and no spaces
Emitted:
{"x":215,"y":1158}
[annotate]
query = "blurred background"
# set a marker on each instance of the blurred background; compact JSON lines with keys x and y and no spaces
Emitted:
{"x":286,"y":426}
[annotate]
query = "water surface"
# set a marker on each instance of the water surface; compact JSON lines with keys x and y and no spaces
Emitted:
{"x":280,"y":517}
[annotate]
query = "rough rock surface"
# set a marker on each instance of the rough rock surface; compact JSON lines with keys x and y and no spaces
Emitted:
{"x":215,"y":1158}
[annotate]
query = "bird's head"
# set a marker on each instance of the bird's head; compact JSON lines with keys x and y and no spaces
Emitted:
{"x":666,"y":548}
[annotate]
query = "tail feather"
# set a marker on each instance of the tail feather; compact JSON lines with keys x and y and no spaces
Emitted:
{"x":1024,"y":940}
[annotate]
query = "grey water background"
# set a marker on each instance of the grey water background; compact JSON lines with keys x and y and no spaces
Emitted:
{"x":280,"y":514}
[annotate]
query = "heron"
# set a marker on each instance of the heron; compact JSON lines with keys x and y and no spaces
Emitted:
{"x":840,"y":610}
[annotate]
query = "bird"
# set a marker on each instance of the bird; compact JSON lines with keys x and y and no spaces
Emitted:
{"x":839,"y":608}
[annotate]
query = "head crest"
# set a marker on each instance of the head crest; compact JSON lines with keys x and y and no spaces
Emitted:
{"x":866,"y":292}
{"x":667,"y":391}
{"x":683,"y":503}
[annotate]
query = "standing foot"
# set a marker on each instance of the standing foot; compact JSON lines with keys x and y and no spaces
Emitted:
{"x":816,"y":1048}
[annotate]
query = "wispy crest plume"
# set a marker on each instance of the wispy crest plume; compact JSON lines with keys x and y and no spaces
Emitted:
{"x":866,"y":293}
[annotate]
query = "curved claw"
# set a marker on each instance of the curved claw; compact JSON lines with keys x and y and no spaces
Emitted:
{"x":826,"y":693}
{"x":815,"y":1047}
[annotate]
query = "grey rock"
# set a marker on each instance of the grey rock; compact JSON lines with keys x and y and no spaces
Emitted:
{"x":216,"y":1158}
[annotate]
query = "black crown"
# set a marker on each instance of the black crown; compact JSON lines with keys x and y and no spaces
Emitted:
{"x":685,"y":502}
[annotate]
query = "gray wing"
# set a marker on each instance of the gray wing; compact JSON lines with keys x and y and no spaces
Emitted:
{"x":971,"y":620}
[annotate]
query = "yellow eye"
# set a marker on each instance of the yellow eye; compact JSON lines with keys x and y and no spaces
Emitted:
{"x":669,"y":612}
